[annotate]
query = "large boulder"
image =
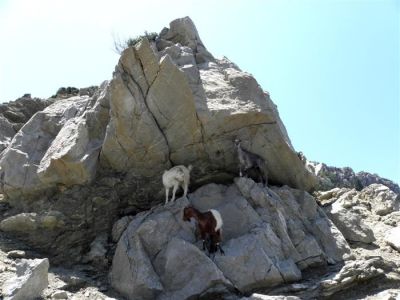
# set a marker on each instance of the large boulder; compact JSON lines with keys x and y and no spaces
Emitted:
{"x":173,"y":103}
{"x":350,"y":223}
{"x":364,"y":216}
{"x":57,"y":146}
{"x":30,"y":280}
{"x":269,"y":236}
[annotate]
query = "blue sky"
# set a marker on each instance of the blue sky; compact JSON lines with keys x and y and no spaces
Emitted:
{"x":331,"y":66}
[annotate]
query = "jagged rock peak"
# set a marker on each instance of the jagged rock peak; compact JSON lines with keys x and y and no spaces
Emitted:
{"x":184,"y":32}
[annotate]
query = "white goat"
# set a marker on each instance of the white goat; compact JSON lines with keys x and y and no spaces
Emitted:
{"x":175,"y":177}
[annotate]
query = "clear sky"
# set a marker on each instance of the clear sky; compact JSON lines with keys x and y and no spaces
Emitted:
{"x":331,"y":66}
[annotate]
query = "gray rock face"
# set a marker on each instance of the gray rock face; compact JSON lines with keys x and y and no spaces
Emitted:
{"x":364,"y":216}
{"x":14,"y":114}
{"x":264,"y":236}
{"x":31,"y":280}
{"x":166,"y":105}
{"x":59,"y":145}
{"x":349,"y":223}
{"x":176,"y":104}
{"x":119,"y":227}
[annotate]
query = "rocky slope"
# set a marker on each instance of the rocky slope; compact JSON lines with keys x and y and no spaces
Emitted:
{"x":270,"y":235}
{"x":330,"y":177}
{"x":97,"y":154}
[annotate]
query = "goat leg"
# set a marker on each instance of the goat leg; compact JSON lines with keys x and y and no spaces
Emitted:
{"x":174,"y":192}
{"x":166,"y":195}
{"x":185,"y":189}
{"x":220,"y":249}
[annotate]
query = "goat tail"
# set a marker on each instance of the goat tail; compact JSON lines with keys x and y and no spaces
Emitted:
{"x":190,"y":168}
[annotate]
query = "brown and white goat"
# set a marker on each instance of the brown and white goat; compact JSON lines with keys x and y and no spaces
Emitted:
{"x":209,"y":224}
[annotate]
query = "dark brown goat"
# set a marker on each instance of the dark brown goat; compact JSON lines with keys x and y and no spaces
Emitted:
{"x":209,"y":225}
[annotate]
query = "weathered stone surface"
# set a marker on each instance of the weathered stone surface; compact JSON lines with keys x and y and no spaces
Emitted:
{"x":167,"y":108}
{"x":331,"y":177}
{"x":59,"y":145}
{"x":262,"y":247}
{"x":164,"y":106}
{"x":119,"y":227}
{"x":185,"y":271}
{"x":14,"y":114}
{"x":350,"y":224}
{"x":184,"y":32}
{"x":98,"y":250}
{"x":31,"y":280}
{"x":365,"y":216}
{"x":144,"y":283}
{"x":24,"y":222}
{"x":18,"y":112}
{"x":393,"y":238}
{"x":16,"y":254}
{"x":382,"y":200}
{"x":60,"y":295}
{"x":360,"y":278}
{"x":247,"y":263}
{"x":133,"y":139}
{"x":352,"y":274}
{"x":30,"y":222}
{"x":6,"y":132}
{"x":171,"y":102}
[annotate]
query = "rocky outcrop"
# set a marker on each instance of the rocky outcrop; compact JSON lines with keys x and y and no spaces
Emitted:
{"x":57,"y":146}
{"x":331,"y":177}
{"x":363,"y":216}
{"x":351,"y":224}
{"x":269,"y":236}
{"x":170,"y":102}
{"x":97,"y":154}
{"x":176,"y":104}
{"x":30,"y":281}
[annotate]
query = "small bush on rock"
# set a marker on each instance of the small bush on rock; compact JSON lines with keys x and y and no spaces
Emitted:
{"x":119,"y":46}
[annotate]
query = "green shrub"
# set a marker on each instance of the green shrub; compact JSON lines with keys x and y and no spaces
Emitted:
{"x":121,"y":46}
